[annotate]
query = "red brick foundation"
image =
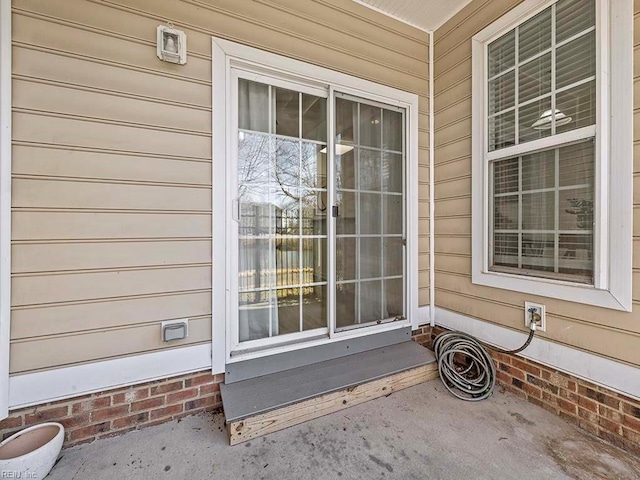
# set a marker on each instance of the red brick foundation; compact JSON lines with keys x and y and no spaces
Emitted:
{"x":598,"y":410}
{"x":118,"y":411}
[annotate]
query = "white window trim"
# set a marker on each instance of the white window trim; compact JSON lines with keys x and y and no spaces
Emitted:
{"x":613,"y":286}
{"x":5,"y":203}
{"x":225,"y":53}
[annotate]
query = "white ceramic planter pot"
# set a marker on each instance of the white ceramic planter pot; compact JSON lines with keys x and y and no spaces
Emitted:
{"x":32,"y":452}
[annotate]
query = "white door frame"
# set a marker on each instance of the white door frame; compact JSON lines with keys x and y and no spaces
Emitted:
{"x":227,"y":54}
{"x":5,"y":202}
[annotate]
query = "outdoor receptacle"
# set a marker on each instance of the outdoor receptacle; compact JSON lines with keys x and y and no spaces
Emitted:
{"x":175,"y":330}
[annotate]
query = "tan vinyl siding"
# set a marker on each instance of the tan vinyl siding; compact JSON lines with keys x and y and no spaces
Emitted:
{"x":112,"y":158}
{"x":605,"y":332}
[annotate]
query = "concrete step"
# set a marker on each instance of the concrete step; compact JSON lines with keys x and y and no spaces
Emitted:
{"x":270,"y":403}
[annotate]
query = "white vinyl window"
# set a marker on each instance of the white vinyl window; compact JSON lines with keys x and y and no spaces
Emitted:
{"x":543,"y":135}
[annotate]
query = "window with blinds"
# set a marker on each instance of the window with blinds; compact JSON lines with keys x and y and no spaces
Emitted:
{"x":540,"y":144}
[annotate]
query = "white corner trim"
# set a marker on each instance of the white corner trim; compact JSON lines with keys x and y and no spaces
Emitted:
{"x":61,"y":383}
{"x":5,"y":203}
{"x":602,"y":371}
{"x":219,"y":267}
{"x":432,"y":183}
{"x":615,"y":292}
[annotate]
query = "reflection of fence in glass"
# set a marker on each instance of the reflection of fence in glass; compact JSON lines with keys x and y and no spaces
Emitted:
{"x":261,"y":267}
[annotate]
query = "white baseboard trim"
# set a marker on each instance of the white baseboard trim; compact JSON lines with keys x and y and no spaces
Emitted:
{"x":61,"y":383}
{"x":424,"y":317}
{"x":602,"y":371}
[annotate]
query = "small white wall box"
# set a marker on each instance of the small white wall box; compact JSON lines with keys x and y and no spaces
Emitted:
{"x":171,"y":44}
{"x":175,"y":330}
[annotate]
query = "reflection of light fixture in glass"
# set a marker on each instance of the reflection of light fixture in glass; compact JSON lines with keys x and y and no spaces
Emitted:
{"x":375,"y":121}
{"x":340,"y":149}
{"x":544,"y":122}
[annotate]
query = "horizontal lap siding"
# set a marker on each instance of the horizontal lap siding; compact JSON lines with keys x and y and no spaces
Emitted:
{"x":604,"y":332}
{"x":112,"y":159}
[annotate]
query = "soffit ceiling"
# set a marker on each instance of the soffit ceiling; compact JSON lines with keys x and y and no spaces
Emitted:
{"x":425,"y":14}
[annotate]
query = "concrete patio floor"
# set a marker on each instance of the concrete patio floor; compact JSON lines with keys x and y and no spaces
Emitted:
{"x":418,"y":433}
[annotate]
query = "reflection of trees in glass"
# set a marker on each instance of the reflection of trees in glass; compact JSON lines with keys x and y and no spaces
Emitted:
{"x":583,"y":210}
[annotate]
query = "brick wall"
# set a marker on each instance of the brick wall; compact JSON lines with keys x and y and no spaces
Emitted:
{"x":602,"y":412}
{"x":607,"y":414}
{"x":118,"y":411}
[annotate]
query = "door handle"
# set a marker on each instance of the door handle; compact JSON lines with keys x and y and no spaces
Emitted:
{"x":235,"y":209}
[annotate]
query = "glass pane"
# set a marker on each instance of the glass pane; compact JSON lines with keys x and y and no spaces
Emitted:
{"x":370,"y":209}
{"x":346,"y":169}
{"x":254,"y":264}
{"x":575,"y":255}
{"x":253,"y":106}
{"x":370,"y":125}
{"x":576,"y":209}
{"x":287,"y":112}
{"x":287,"y":261}
{"x":502,"y":54}
{"x":392,"y":205}
{"x":346,"y":121}
{"x":391,"y":172}
{"x":535,"y":35}
{"x":538,"y":251}
{"x":346,"y":256}
{"x":535,"y":120}
{"x":314,"y":212}
{"x":256,"y":317}
{"x":286,"y":210}
{"x":314,"y":118}
{"x":539,"y":170}
{"x":370,"y":169}
{"x":370,"y":301}
{"x":314,"y":307}
{"x":392,"y":130}
{"x":576,"y":107}
{"x":538,"y":211}
{"x":314,"y":166}
{"x":505,"y":176}
{"x":346,"y":221}
{"x":287,"y":311}
{"x":502,"y":92}
{"x":576,"y":60}
{"x":577,"y":164}
{"x":505,"y":213}
{"x":505,"y":249}
{"x":573,"y":17}
{"x":314,"y":260}
{"x":256,"y":211}
{"x":346,"y":304}
{"x":370,"y":258}
{"x":534,"y":78}
{"x":393,"y":258}
{"x":254,"y":165}
{"x":394,"y":304}
{"x":287,"y":162}
{"x":502,"y":131}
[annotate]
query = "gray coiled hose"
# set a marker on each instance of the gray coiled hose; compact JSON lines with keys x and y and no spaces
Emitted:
{"x":465,"y":367}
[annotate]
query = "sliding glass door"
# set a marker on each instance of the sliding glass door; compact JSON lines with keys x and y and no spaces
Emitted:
{"x":370,"y":238}
{"x":281,"y":211}
{"x":290,"y":212}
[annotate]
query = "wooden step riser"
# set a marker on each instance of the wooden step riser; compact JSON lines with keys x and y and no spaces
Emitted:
{"x":269,"y":422}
